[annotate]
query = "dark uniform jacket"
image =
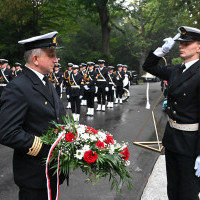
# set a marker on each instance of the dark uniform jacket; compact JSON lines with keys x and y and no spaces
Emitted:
{"x":183,"y":104}
{"x":26,"y":111}
{"x":75,"y":88}
{"x":59,"y":77}
{"x":111,"y":80}
{"x":90,"y":80}
{"x":102,"y":76}
{"x":119,"y":77}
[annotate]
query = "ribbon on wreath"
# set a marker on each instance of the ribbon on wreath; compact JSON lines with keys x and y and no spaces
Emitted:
{"x":61,"y":135}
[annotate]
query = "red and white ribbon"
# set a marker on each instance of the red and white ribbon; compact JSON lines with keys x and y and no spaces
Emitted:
{"x":61,"y":135}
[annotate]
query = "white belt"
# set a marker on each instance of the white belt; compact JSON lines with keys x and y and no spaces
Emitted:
{"x":183,"y":127}
{"x":100,"y":80}
{"x":75,"y":86}
{"x":3,"y":85}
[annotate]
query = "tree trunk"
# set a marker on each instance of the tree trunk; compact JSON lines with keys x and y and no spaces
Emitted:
{"x":105,"y":29}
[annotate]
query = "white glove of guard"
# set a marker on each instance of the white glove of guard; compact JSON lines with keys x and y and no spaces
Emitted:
{"x":166,"y":47}
{"x":80,"y":97}
{"x":86,"y":87}
{"x":96,"y":89}
{"x":113,"y":88}
{"x":67,"y":96}
{"x":106,"y":89}
{"x":197,"y":166}
{"x":169,"y":43}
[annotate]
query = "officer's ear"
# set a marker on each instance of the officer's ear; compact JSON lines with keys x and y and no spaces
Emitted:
{"x":199,"y":47}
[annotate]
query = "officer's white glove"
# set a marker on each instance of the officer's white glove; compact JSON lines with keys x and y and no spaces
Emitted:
{"x":106,"y":89}
{"x":67,"y":96}
{"x":197,"y":166}
{"x":80,"y":97}
{"x":113,"y":88}
{"x":96,"y":89}
{"x":86,"y":87}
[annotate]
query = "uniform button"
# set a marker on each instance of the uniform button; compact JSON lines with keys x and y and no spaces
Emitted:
{"x":174,"y":112}
{"x":175,"y":103}
{"x":168,"y":108}
{"x":45,"y":102}
{"x":58,"y":118}
{"x":184,"y":94}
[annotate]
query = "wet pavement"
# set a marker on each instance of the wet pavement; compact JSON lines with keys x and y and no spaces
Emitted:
{"x":124,"y":122}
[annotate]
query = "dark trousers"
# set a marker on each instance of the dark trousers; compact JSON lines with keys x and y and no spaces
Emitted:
{"x":90,"y":99}
{"x":75,"y":104}
{"x":101,"y":95}
{"x":181,"y":179}
{"x":35,"y":194}
{"x":110,"y":95}
{"x":119,"y":92}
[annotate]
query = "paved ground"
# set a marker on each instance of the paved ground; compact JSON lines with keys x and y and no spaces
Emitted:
{"x":124,"y":122}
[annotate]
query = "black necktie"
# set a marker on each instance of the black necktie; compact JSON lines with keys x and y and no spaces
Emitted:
{"x":182,"y":67}
{"x":47,"y":84}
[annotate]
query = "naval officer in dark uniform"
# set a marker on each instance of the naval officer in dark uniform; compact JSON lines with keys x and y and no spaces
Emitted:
{"x":5,"y":75}
{"x":29,"y":104}
{"x":182,"y":134}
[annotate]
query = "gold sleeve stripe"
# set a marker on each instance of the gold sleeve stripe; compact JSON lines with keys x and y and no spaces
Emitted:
{"x":37,"y":145}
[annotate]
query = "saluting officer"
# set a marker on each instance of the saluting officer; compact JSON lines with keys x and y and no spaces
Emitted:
{"x":59,"y":79}
{"x":119,"y":77}
{"x":102,"y":84}
{"x":182,"y":135}
{"x":18,"y":69}
{"x":66,"y":82}
{"x":5,"y":74}
{"x":111,"y":86}
{"x":75,"y":91}
{"x":29,"y":104}
{"x":90,"y":81}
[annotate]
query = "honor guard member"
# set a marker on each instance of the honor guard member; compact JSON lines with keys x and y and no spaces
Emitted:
{"x":96,"y":67}
{"x":59,"y":79}
{"x":89,"y":86}
{"x":82,"y":71}
{"x":127,"y":76}
{"x":66,"y":81}
{"x":29,"y":104}
{"x":119,"y":77}
{"x":182,"y":135}
{"x":18,"y":69}
{"x":5,"y":75}
{"x":75,"y":92}
{"x":102,"y":84}
{"x":111,"y":86}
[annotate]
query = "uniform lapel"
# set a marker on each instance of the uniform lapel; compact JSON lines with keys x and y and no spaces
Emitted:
{"x":38,"y":85}
{"x":185,"y":75}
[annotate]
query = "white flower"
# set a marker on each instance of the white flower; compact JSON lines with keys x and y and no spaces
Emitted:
{"x":127,"y":163}
{"x":80,"y":129}
{"x":86,"y":148}
{"x":85,"y":136}
{"x":102,"y":136}
{"x":111,"y":149}
{"x":79,"y":154}
{"x":93,"y":138}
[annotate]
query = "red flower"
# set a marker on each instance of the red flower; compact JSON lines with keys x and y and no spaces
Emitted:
{"x":100,"y":145}
{"x":109,"y":139}
{"x":69,"y":137}
{"x":90,"y":156}
{"x":62,"y":127}
{"x":91,"y":130}
{"x":126,"y":153}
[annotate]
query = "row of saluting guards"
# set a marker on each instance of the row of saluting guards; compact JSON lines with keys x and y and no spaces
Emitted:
{"x":88,"y":82}
{"x":84,"y":84}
